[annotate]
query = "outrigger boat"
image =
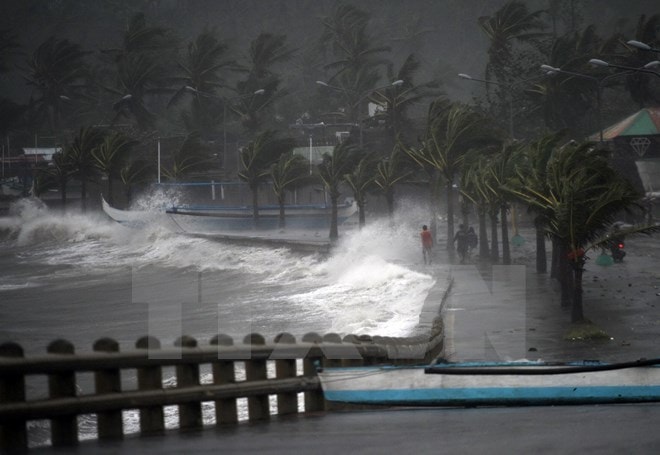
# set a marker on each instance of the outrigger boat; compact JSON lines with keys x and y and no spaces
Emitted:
{"x":493,"y":384}
{"x":210,"y":219}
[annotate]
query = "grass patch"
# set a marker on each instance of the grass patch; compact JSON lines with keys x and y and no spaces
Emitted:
{"x":586,"y":331}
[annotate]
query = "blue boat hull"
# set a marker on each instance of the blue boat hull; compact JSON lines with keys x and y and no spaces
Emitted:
{"x":492,"y":385}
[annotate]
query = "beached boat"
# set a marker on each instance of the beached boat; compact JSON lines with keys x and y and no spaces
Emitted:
{"x":492,"y":384}
{"x":213,"y":219}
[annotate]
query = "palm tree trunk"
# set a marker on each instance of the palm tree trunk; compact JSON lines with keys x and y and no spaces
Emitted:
{"x":449,"y":188}
{"x":554,"y":262}
{"x":565,"y":275}
{"x":494,"y":247}
{"x":334,"y":232}
{"x":577,"y":311}
{"x":83,"y":193}
{"x":282,"y":217}
{"x":255,"y":206}
{"x":483,"y":235}
{"x":361,"y":215}
{"x":541,"y":256}
{"x":506,"y":249}
{"x":389,"y":197}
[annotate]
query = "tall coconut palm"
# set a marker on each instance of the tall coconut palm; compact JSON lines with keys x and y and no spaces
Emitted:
{"x":265,"y":53}
{"x":391,"y":171}
{"x":203,"y":69}
{"x":584,"y":197}
{"x":79,"y":156}
{"x":453,"y":129}
{"x":512,"y":23}
{"x":333,"y":170}
{"x":474,"y":186}
{"x":285,"y":173}
{"x":532,"y":173}
{"x":361,"y":180}
{"x":190,"y":157}
{"x":257,"y":159}
{"x":398,"y":100}
{"x":110,"y":156}
{"x":502,"y":171}
{"x":56,"y":71}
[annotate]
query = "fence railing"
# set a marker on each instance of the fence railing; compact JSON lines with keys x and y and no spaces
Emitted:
{"x":294,"y":365}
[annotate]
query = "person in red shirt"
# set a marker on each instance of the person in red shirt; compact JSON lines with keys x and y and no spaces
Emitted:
{"x":427,"y":244}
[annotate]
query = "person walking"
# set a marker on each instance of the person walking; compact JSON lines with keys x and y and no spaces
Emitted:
{"x":472,"y":240}
{"x":427,"y":244}
{"x":461,"y":241}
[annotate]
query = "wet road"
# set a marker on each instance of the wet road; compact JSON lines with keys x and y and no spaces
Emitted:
{"x":611,"y":429}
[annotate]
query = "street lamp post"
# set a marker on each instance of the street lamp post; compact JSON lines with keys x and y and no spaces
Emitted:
{"x":225,"y":101}
{"x":643,"y":69}
{"x":642,"y":46}
{"x":362,"y":97}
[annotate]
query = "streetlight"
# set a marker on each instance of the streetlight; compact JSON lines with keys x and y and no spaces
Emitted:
{"x":361,"y":98}
{"x":225,"y":101}
{"x":642,"y":46}
{"x":508,"y":87}
{"x":642,"y":69}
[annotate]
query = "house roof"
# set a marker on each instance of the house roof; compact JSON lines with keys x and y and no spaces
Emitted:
{"x":645,"y":122}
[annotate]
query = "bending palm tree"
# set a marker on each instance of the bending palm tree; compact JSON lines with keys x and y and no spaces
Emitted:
{"x":333,"y":170}
{"x":256,"y":161}
{"x":285,"y":173}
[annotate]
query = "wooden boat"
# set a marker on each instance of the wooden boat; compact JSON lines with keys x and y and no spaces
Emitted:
{"x":492,"y":384}
{"x":210,"y":219}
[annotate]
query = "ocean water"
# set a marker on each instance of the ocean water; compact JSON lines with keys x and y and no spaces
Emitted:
{"x":82,"y":277}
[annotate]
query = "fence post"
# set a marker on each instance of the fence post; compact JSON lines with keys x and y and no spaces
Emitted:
{"x":110,"y":425}
{"x":314,"y":400}
{"x":64,"y":430}
{"x":287,"y":403}
{"x":223,"y":373}
{"x":150,"y":378}
{"x":187,"y":374}
{"x":255,"y":370}
{"x":13,"y":435}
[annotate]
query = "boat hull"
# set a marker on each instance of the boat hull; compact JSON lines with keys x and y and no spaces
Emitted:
{"x":213,"y":219}
{"x":411,"y":386}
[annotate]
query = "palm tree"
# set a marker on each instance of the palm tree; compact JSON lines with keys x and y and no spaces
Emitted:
{"x":398,"y":100}
{"x":453,"y":129}
{"x":361,"y":180}
{"x":256,"y":161}
{"x":512,"y":23}
{"x":9,"y":49}
{"x":288,"y":170}
{"x":389,"y":172}
{"x":110,"y":157}
{"x":333,"y":170}
{"x":135,"y":172}
{"x":79,"y":156}
{"x":56,"y":71}
{"x":188,"y":158}
{"x":357,"y":60}
{"x":502,"y":172}
{"x":585,"y":195}
{"x":266,"y":51}
{"x":141,"y":69}
{"x":474,"y":186}
{"x":202,"y":70}
{"x":533,"y":172}
{"x":60,"y":172}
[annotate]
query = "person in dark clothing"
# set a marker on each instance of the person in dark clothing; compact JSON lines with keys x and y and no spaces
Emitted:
{"x":472,"y":240}
{"x":461,"y":240}
{"x":427,"y":244}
